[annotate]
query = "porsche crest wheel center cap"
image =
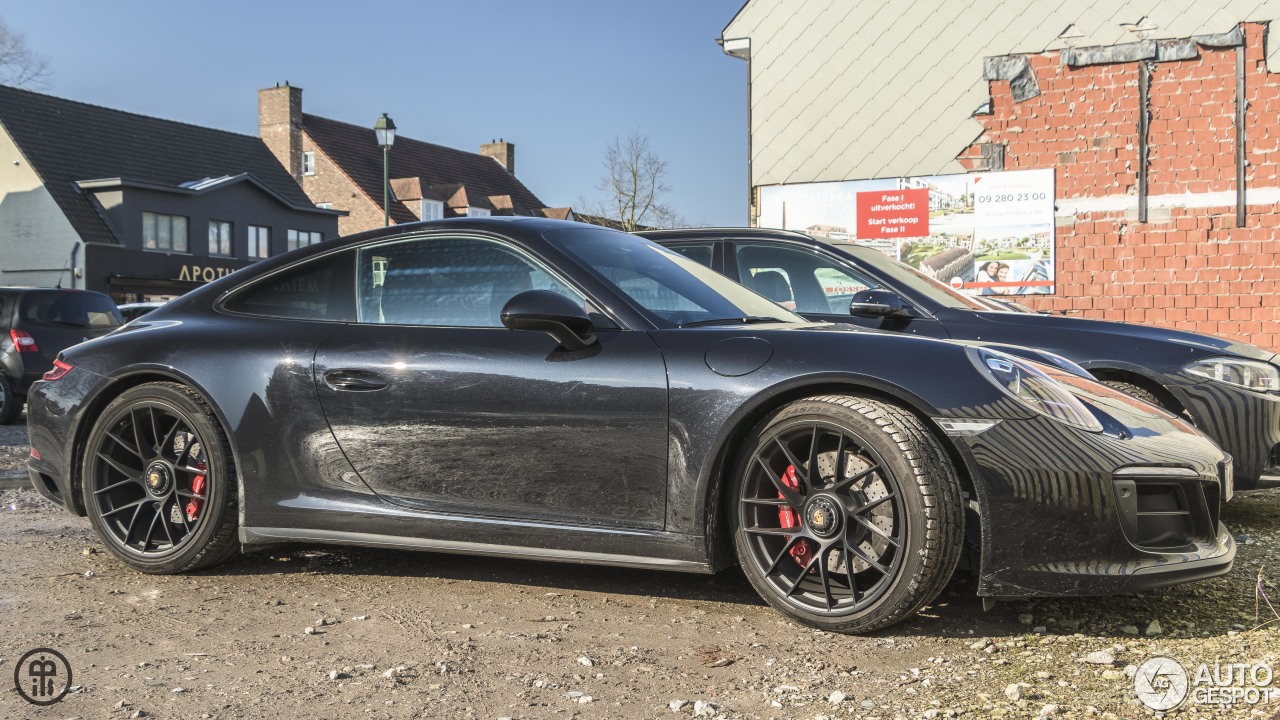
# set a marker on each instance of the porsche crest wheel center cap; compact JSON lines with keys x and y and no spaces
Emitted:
{"x":158,"y":478}
{"x":823,"y":516}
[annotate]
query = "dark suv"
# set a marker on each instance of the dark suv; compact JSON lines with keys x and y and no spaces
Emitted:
{"x":38,"y":323}
{"x":1230,"y":390}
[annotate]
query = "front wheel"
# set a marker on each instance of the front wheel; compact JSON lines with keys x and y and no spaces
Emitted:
{"x":848,"y":514}
{"x":1137,"y":391}
{"x":158,"y":481}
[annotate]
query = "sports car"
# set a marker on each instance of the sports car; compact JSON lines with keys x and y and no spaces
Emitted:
{"x":549,"y":390}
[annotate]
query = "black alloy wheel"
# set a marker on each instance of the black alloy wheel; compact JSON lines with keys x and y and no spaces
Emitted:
{"x":847,"y":513}
{"x":156,"y":475}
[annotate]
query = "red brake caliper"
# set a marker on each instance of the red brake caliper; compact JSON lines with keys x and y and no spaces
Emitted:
{"x":788,"y":518}
{"x":197,"y":488}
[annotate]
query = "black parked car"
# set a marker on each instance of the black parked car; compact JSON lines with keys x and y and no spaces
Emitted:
{"x":1230,"y":390}
{"x":637,"y":409}
{"x":35,"y":325}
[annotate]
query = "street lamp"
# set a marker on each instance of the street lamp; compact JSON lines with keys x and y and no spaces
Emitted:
{"x":385,"y":130}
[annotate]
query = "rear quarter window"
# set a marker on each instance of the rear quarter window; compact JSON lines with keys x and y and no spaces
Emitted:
{"x":319,"y":289}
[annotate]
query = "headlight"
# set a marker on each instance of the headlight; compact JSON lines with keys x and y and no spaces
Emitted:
{"x":1035,"y":389}
{"x":1248,"y":374}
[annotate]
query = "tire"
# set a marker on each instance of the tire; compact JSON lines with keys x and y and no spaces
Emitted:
{"x":1137,"y":391}
{"x":10,"y":402}
{"x":158,"y":458}
{"x":890,"y":510}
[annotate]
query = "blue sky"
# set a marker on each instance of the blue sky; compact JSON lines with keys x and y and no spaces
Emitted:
{"x":559,"y":78}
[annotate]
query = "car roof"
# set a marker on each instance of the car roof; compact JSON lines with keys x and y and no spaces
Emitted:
{"x":720,"y":232}
{"x":670,"y":235}
{"x":21,"y":289}
{"x":521,"y":228}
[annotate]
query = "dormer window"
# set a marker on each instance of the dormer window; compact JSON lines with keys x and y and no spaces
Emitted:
{"x":477,"y":212}
{"x":432,"y":209}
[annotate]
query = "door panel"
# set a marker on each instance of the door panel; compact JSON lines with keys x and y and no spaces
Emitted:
{"x":438,"y":406}
{"x":492,"y":422}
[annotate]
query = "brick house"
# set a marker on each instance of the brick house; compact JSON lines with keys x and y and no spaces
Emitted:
{"x":1162,"y":122}
{"x":136,"y":206}
{"x":339,"y":165}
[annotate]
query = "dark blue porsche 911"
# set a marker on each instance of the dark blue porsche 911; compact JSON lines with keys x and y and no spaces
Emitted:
{"x":549,"y":390}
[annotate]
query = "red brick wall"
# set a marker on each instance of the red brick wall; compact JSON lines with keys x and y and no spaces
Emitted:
{"x":1188,"y":267}
{"x":330,"y":184}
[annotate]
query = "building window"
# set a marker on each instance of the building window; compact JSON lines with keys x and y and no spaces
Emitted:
{"x":325,"y":206}
{"x":432,"y":209}
{"x":259,"y":241}
{"x":164,"y":232}
{"x":308,"y":163}
{"x":477,"y":212}
{"x":303,"y":238}
{"x":219,"y":237}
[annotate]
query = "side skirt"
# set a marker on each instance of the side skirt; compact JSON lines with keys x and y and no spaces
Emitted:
{"x":266,"y":536}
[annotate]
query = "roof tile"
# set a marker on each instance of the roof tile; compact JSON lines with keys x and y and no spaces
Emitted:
{"x":356,"y":151}
{"x":66,"y":141}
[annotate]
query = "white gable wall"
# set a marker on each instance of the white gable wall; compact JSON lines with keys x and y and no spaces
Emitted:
{"x":854,"y":89}
{"x":36,"y":238}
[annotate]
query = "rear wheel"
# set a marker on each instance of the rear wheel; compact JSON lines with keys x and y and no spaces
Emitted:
{"x":158,"y":481}
{"x":848,"y":514}
{"x":10,"y":402}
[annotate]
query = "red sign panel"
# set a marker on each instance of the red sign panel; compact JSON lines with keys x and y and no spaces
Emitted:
{"x":893,"y":214}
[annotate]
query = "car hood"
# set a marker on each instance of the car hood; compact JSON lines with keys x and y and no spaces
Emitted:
{"x":1027,"y":353}
{"x":1112,"y":332}
{"x":937,"y":371}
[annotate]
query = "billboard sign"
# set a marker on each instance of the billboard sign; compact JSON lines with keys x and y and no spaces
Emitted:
{"x":986,"y":233}
{"x":893,"y":214}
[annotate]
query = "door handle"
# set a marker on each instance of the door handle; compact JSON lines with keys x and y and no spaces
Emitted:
{"x":354,"y":380}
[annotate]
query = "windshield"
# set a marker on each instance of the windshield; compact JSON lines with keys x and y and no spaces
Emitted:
{"x":916,"y":281}
{"x":670,"y":288}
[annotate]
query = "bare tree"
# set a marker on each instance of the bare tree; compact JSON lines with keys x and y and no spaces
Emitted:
{"x":19,"y":65}
{"x":634,"y":186}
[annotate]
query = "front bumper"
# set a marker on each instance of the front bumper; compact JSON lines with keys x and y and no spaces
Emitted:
{"x":1067,"y":512}
{"x":1245,"y":424}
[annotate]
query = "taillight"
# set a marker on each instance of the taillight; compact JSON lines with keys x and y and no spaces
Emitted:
{"x":59,"y":369}
{"x":35,"y":454}
{"x":23,"y":342}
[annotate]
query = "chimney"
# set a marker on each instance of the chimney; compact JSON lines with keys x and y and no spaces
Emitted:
{"x":280,"y":125}
{"x":502,"y":151}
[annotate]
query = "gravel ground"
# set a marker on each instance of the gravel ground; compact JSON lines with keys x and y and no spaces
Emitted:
{"x":337,"y":632}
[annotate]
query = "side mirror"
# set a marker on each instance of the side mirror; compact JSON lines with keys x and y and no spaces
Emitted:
{"x":553,"y":314}
{"x":877,"y":304}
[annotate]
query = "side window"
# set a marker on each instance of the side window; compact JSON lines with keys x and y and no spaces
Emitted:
{"x":800,"y":279}
{"x":446,"y":282}
{"x":700,"y":253}
{"x":839,"y":284}
{"x":316,"y":290}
